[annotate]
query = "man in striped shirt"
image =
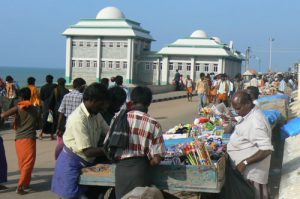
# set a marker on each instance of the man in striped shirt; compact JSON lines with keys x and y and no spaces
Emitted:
{"x":145,"y":147}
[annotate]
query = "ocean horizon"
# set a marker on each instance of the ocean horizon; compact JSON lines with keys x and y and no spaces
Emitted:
{"x":20,"y":74}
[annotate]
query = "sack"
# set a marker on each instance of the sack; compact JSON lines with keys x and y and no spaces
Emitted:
{"x":50,"y":117}
{"x":235,"y":186}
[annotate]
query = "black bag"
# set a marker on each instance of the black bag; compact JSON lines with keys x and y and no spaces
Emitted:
{"x":236,"y":187}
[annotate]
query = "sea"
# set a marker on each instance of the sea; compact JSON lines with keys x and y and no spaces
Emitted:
{"x":20,"y":74}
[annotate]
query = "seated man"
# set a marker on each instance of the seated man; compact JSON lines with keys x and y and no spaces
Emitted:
{"x":84,"y":128}
{"x":254,"y":93}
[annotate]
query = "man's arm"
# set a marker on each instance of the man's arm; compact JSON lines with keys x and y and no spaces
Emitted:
{"x":93,"y":152}
{"x":155,"y":160}
{"x":10,"y":112}
{"x":258,"y":156}
{"x":60,"y":121}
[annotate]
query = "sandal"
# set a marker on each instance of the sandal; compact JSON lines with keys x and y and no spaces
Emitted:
{"x":2,"y":187}
{"x":21,"y":191}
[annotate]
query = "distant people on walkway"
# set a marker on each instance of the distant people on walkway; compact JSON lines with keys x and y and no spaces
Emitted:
{"x":3,"y":165}
{"x":189,"y":87}
{"x":250,"y":144}
{"x":177,"y":80}
{"x":11,"y":93}
{"x":213,"y":90}
{"x":282,"y":84}
{"x":46,"y":94}
{"x":68,"y":104}
{"x":143,"y":150}
{"x":118,"y":80}
{"x":26,"y":123}
{"x":238,"y":84}
{"x":84,"y":128}
{"x":202,"y":91}
{"x":35,"y":95}
{"x":223,"y":89}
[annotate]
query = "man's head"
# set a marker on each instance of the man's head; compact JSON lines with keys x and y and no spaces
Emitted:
{"x":9,"y":79}
{"x":280,"y":77}
{"x":223,"y":77}
{"x":24,"y":93}
{"x":79,"y":84}
{"x":202,"y":75}
{"x":119,"y":80}
{"x":188,"y":77}
{"x":141,"y":95}
{"x":49,"y":79}
{"x":105,"y":82}
{"x":253,"y":92}
{"x":61,"y":81}
{"x":242,"y":103}
{"x":31,"y":81}
{"x":117,"y":98}
{"x":96,"y":98}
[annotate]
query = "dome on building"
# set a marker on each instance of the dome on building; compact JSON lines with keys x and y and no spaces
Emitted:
{"x":217,"y":39}
{"x":110,"y":13}
{"x":199,"y":33}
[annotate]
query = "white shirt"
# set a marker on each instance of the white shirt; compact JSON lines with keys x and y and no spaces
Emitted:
{"x":282,"y":86}
{"x":83,"y":131}
{"x":256,"y":103}
{"x":252,"y":134}
{"x":254,"y":82}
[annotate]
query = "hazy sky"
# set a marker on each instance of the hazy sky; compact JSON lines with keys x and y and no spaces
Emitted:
{"x":31,"y":30}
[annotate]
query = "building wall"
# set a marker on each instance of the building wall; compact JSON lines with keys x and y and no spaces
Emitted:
{"x":88,"y":74}
{"x":114,"y":48}
{"x":232,"y":67}
{"x":147,"y":71}
{"x":84,"y":48}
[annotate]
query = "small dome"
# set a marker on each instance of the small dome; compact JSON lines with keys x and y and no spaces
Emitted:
{"x":199,"y":33}
{"x":217,"y":39}
{"x":110,"y":13}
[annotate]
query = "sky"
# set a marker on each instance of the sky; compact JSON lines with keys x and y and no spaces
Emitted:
{"x":31,"y":30}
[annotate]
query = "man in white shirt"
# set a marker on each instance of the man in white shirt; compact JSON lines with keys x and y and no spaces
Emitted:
{"x":254,"y":81}
{"x":250,"y":145}
{"x":282,"y":84}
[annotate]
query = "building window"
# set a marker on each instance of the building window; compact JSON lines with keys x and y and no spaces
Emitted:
{"x":171,"y":66}
{"x":81,"y":43}
{"x":88,"y":44}
{"x":125,"y":45}
{"x":160,"y":65}
{"x":125,"y":65}
{"x":95,"y":44}
{"x":73,"y":43}
{"x":103,"y":64}
{"x":179,"y":66}
{"x":118,"y":44}
{"x":111,"y":44}
{"x":154,"y":66}
{"x":118,"y":64}
{"x":147,"y":66}
{"x":88,"y":63}
{"x":197,"y":67}
{"x":110,"y":64}
{"x":215,"y":67}
{"x":80,"y":63}
{"x":73,"y":63}
{"x":103,"y":44}
{"x":205,"y":67}
{"x":188,"y":67}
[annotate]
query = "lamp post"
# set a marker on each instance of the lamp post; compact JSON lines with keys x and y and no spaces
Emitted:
{"x":270,"y":60}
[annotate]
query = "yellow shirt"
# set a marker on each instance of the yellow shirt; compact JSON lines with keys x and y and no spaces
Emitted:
{"x":83,"y":131}
{"x":202,"y":86}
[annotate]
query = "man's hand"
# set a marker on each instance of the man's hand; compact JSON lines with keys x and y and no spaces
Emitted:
{"x":241,"y":167}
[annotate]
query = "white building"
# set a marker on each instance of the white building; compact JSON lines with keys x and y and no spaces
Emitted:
{"x":113,"y":45}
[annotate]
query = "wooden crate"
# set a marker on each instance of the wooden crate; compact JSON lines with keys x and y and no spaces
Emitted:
{"x":168,"y":177}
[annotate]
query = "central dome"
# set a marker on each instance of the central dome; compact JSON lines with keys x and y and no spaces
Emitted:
{"x":199,"y":33}
{"x":110,"y":13}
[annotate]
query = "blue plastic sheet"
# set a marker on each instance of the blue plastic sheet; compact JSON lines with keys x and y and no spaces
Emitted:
{"x":292,"y":128}
{"x":272,"y":115}
{"x":172,"y":142}
{"x":274,"y":97}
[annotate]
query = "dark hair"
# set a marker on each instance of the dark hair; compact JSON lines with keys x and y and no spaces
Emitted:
{"x":141,"y":95}
{"x":49,"y":79}
{"x":253,"y":92}
{"x":78,"y":82}
{"x":61,"y":81}
{"x":119,"y":80}
{"x":105,"y":82}
{"x":117,"y":96}
{"x":202,"y":75}
{"x":31,"y":80}
{"x":25,"y":93}
{"x":95,"y":92}
{"x":243,"y":97}
{"x":9,"y":78}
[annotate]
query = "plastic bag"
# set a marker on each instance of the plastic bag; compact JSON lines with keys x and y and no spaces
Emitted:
{"x":50,"y":117}
{"x":235,"y":186}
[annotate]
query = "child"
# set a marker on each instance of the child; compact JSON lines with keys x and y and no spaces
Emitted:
{"x":189,"y":88}
{"x":26,"y":123}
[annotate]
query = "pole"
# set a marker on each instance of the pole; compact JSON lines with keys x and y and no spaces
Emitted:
{"x":247,"y":58}
{"x":259,"y":65}
{"x":270,"y":60}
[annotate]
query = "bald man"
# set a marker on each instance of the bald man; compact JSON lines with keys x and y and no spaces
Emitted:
{"x":250,"y":145}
